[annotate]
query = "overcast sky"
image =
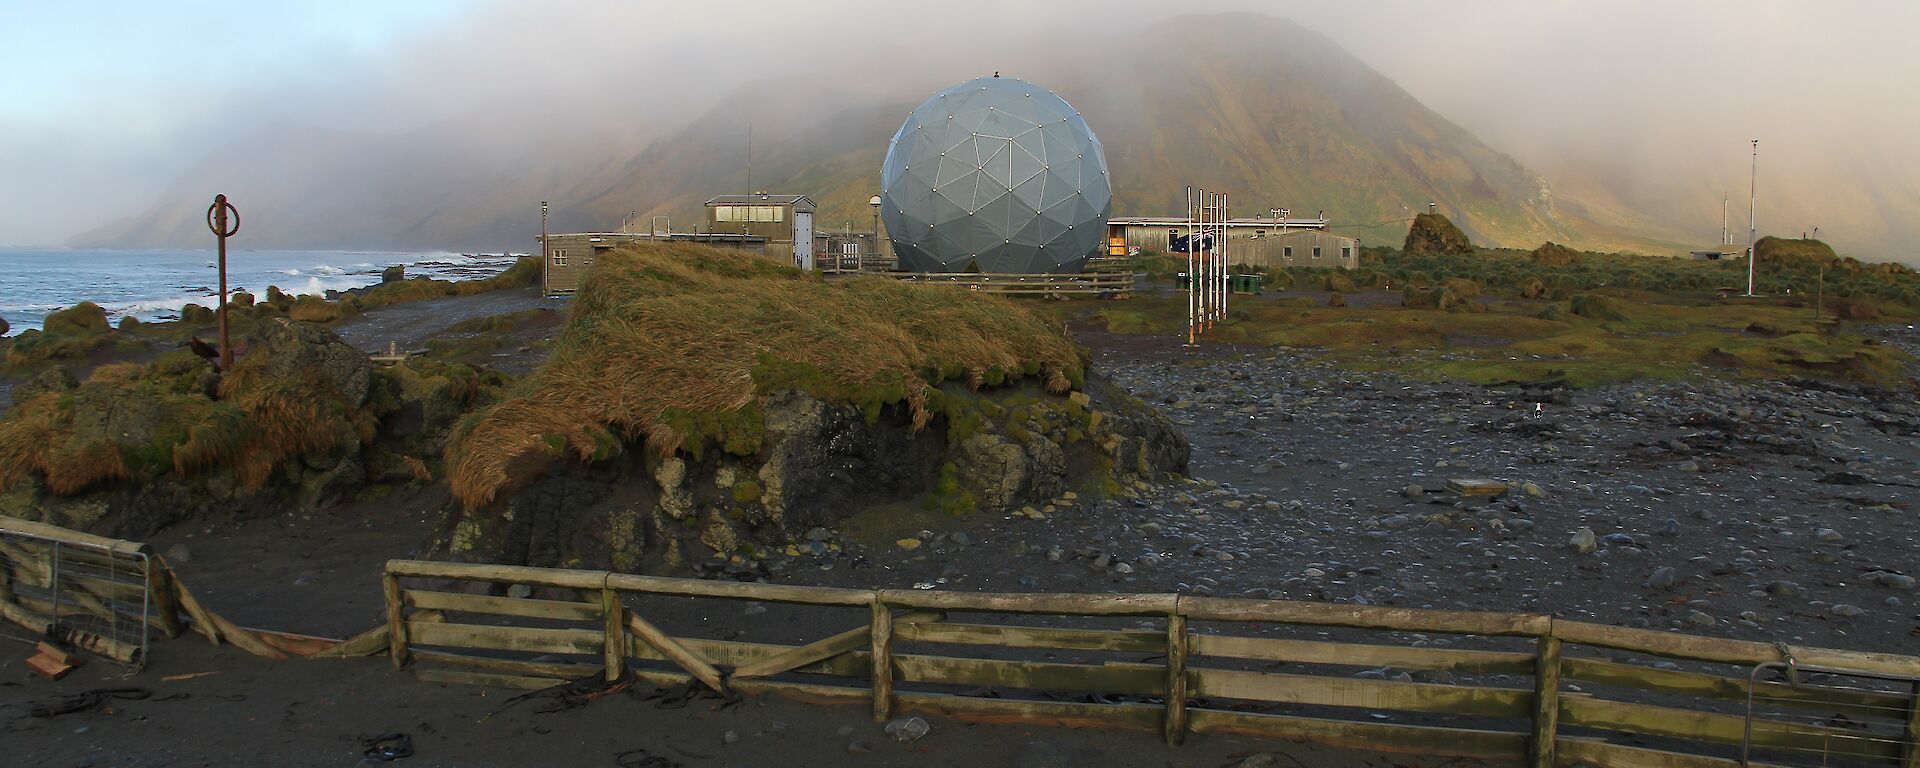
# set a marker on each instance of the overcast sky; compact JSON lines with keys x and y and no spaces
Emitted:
{"x":102,"y":104}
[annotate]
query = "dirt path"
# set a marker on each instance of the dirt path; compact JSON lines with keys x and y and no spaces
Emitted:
{"x":410,"y":325}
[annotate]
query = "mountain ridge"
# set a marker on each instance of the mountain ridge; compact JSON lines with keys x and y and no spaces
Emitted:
{"x":1290,"y":119}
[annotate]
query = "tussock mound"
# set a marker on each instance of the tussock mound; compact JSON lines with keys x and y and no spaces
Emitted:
{"x":1596,"y":307}
{"x":707,"y":400}
{"x":1434,"y":235}
{"x":1552,"y":254}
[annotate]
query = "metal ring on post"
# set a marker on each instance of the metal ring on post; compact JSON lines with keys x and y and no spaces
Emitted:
{"x":221,"y":202}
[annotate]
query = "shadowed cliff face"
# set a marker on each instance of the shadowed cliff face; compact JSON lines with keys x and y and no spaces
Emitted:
{"x":1285,"y":118}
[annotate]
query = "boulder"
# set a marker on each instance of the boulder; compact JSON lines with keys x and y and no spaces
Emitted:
{"x":291,"y":348}
{"x":83,"y":319}
{"x":393,"y":274}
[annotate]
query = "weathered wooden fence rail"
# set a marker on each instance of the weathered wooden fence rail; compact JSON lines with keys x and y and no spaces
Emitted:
{"x":1186,"y":665}
{"x":1038,"y":284}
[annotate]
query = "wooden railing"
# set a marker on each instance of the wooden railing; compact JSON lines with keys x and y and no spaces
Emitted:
{"x":1037,"y":284}
{"x":1183,"y":665}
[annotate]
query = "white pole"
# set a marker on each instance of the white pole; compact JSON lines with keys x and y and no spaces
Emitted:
{"x":1191,"y":277}
{"x":1226,"y":264}
{"x":1753,"y":207}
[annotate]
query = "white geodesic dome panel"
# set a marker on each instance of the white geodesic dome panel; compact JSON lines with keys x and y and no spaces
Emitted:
{"x":995,"y":174}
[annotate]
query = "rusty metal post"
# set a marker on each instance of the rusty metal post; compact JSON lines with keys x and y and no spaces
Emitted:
{"x":224,"y":220}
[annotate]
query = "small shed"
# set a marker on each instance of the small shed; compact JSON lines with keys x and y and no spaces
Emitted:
{"x":569,"y":256}
{"x":785,"y":221}
{"x":1725,"y":252}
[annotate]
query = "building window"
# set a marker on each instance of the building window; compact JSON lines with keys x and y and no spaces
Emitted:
{"x":560,"y":258}
{"x":1346,"y":253}
{"x":1316,"y":252}
{"x":1286,"y":252}
{"x":749,"y":213}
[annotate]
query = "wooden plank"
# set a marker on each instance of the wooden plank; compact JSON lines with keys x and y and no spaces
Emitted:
{"x":1354,"y":692}
{"x":36,"y":623}
{"x":675,"y":652}
{"x":221,"y":628}
{"x":366,"y":643}
{"x":528,"y":639}
{"x":1743,"y":652}
{"x":506,"y":574}
{"x":1359,"y":655}
{"x":1033,"y":602}
{"x":164,"y":603}
{"x":486,"y":679}
{"x":1175,"y":727}
{"x":563,"y":610}
{"x":41,"y":530}
{"x":854,"y":665}
{"x":396,"y":618}
{"x":1546,"y":704}
{"x":556,"y":670}
{"x":1005,"y":636}
{"x":1861,"y":703}
{"x":1363,"y":616}
{"x":826,"y":648}
{"x":738,"y":590}
{"x":1130,"y":717}
{"x":880,"y":638}
{"x":1135,"y":679}
{"x":1661,"y":643}
{"x":1374,"y":737}
{"x":1651,"y":720}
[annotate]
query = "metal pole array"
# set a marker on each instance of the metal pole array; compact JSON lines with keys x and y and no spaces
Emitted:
{"x":1207,"y":262}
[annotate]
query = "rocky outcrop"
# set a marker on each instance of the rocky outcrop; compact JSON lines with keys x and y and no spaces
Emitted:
{"x":987,"y":453}
{"x":1435,"y":235}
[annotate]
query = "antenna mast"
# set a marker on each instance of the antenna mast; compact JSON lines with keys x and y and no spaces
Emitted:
{"x":1753,"y":205}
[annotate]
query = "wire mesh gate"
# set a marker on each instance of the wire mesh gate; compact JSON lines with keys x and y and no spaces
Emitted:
{"x":1879,"y":714}
{"x":89,"y":592}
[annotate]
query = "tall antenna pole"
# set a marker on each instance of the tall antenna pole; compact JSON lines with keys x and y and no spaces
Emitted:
{"x":1753,"y":220}
{"x":1226,"y":263}
{"x":749,"y":157}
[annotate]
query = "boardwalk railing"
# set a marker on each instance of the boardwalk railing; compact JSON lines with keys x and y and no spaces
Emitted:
{"x":1497,"y":686}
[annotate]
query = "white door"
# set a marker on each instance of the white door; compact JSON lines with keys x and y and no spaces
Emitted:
{"x":803,"y":240}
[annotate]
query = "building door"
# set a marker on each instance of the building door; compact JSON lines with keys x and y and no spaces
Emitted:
{"x":803,"y":240}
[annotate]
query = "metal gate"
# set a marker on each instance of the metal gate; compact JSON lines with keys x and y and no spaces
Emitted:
{"x":90,"y":592}
{"x":1805,"y":705}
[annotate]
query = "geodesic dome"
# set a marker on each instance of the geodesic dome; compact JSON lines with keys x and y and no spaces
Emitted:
{"x":995,"y":174}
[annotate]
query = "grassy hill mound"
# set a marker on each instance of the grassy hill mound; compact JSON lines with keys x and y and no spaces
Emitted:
{"x":673,"y":343}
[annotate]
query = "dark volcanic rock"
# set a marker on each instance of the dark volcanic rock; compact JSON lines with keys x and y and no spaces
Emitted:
{"x":818,"y":463}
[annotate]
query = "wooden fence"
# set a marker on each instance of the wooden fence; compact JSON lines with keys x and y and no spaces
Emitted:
{"x":1496,"y":686}
{"x":1038,"y":284}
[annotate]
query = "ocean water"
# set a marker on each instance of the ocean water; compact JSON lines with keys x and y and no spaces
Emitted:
{"x":155,"y":284}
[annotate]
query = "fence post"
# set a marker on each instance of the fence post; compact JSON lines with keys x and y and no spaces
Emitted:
{"x":396,"y":620}
{"x":616,"y":639}
{"x":1546,"y":701}
{"x":1176,"y":724}
{"x":166,"y":606}
{"x":882,"y":660}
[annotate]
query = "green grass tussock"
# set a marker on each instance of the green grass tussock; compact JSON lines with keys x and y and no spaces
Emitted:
{"x":673,"y":343}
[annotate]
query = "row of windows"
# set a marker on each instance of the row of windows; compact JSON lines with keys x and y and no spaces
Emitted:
{"x":749,"y":213}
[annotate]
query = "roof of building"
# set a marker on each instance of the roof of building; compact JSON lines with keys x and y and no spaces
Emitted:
{"x":1728,"y":248}
{"x":1245,"y":221}
{"x":800,"y":203}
